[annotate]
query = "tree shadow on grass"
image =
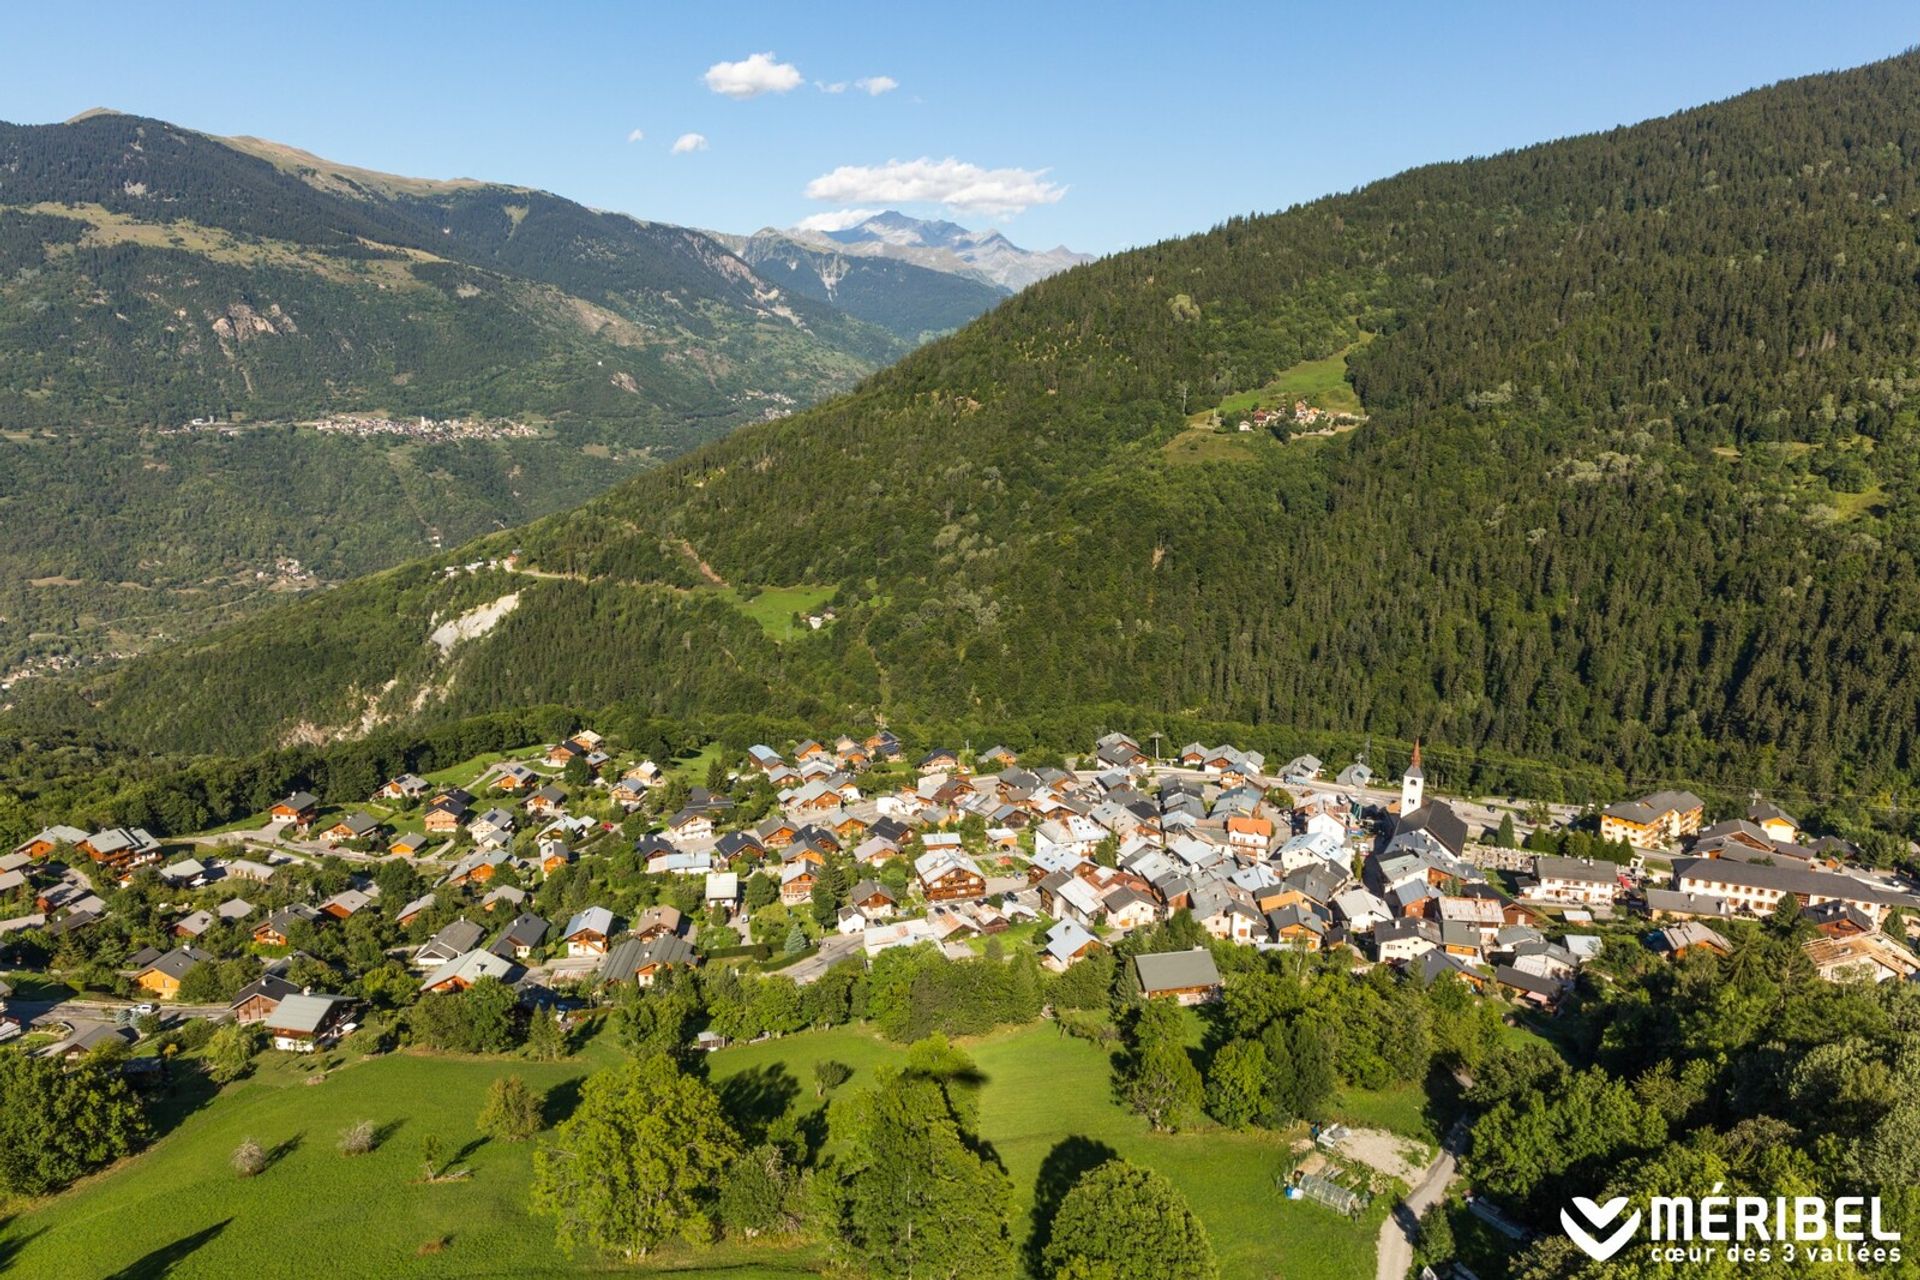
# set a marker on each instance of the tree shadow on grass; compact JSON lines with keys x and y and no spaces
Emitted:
{"x":755,"y":1099}
{"x":560,"y":1101}
{"x":281,"y":1150}
{"x":454,"y":1160}
{"x":162,"y":1261}
{"x":11,"y":1247}
{"x":1070,"y":1160}
{"x":187,"y":1092}
{"x":384,"y":1134}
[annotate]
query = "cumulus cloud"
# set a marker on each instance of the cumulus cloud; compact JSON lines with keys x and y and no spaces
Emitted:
{"x":689,"y":142}
{"x":636,"y":136}
{"x":836,"y":220}
{"x":963,"y":187}
{"x":752,"y":76}
{"x":838,"y":86}
{"x":877,"y":85}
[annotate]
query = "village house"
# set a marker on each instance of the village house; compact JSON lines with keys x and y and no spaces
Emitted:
{"x":1872,"y":957}
{"x":298,"y":809}
{"x":407,"y":845}
{"x":463,"y":971}
{"x":305,"y":1023}
{"x":518,"y":938}
{"x":277,"y":929}
{"x":515,"y":777}
{"x":1575,"y":880}
{"x":453,"y":941}
{"x":797,"y":879}
{"x":1186,"y":977}
{"x":355,"y":826}
{"x":1065,"y":945}
{"x":1756,"y":888}
{"x":722,"y":891}
{"x":121,"y":850}
{"x":54,"y":837}
{"x":946,"y":875}
{"x":403,"y":788}
{"x":1653,"y":821}
{"x":163,"y":975}
{"x":643,"y":961}
{"x":588,"y":932}
{"x":547,"y":801}
{"x":259,"y":998}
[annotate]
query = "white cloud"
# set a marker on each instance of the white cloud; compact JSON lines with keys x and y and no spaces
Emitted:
{"x":689,"y":142}
{"x":836,"y":220}
{"x":838,"y":86}
{"x":752,"y":76}
{"x":959,"y":186}
{"x":636,"y":136}
{"x":877,"y":85}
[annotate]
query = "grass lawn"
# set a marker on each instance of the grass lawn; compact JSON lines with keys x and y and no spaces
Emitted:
{"x":468,"y":771}
{"x":36,"y":986}
{"x":773,"y":608}
{"x":1044,"y":1104}
{"x":693,"y":768}
{"x":1047,"y":1101}
{"x":1400,"y":1109}
{"x":1321,"y":383}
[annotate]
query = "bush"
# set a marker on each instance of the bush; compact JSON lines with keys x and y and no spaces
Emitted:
{"x":357,"y":1138}
{"x":248,"y":1158}
{"x":511,"y":1112}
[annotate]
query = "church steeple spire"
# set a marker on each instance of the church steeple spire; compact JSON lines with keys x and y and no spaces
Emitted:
{"x":1413,"y":783}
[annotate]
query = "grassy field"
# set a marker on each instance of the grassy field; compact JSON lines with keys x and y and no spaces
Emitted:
{"x":773,"y":608}
{"x":1400,"y":1109}
{"x":178,"y":1210}
{"x":1321,"y":383}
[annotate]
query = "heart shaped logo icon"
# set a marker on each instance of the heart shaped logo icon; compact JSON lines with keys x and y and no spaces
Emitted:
{"x":1598,"y":1217}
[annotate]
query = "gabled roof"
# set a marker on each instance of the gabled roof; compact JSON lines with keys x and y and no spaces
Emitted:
{"x":524,"y":930}
{"x":592,"y":920}
{"x":469,"y":967}
{"x":1176,"y":970}
{"x":303,"y":1014}
{"x":1065,"y":940}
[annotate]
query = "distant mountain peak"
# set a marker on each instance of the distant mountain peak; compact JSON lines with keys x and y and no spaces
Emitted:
{"x":945,"y":246}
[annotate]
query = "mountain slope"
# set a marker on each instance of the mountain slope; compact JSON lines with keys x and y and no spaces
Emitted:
{"x":912,"y":302}
{"x":151,"y":275}
{"x":1636,"y":491}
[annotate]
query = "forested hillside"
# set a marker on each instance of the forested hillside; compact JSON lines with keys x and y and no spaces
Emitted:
{"x":1636,"y":489}
{"x":150,"y":275}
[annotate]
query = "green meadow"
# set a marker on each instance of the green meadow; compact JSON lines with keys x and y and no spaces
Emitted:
{"x":1045,"y":1109}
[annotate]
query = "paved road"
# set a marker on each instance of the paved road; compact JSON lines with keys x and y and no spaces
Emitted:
{"x":1397,"y":1232}
{"x":832,"y":949}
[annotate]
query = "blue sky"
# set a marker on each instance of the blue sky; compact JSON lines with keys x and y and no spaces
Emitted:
{"x":1098,"y":126}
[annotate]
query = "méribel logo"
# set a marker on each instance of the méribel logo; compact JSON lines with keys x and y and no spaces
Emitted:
{"x":1597,"y":1218}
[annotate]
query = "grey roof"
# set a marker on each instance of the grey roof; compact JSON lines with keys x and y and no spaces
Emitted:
{"x":454,"y":939}
{"x":1651,"y":808}
{"x":301,"y":800}
{"x":272,"y":986}
{"x":1176,"y":970}
{"x":1581,"y":870}
{"x":525,"y":930}
{"x":1682,"y":903}
{"x":302,"y":1014}
{"x":472,"y":965}
{"x":1795,"y":880}
{"x":594,"y":919}
{"x":179,"y":962}
{"x":1065,"y":939}
{"x":626,"y":960}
